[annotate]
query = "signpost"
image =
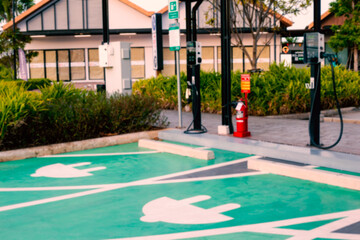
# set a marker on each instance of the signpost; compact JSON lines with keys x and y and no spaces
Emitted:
{"x":174,"y":42}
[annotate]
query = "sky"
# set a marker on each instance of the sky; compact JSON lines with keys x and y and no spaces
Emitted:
{"x":307,"y":16}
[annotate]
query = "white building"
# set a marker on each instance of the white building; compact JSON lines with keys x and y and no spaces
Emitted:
{"x":67,"y":33}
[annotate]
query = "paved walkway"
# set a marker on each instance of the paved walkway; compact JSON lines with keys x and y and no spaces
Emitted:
{"x":286,"y":130}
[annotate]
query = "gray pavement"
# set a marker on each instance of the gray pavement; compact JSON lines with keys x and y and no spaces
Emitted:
{"x":289,"y":131}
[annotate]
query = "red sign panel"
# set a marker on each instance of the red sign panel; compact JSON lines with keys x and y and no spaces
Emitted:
{"x":245,"y":83}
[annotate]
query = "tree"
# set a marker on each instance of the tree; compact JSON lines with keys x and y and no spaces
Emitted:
{"x":346,"y":35}
{"x":256,"y":17}
{"x":6,"y":8}
{"x":10,"y":40}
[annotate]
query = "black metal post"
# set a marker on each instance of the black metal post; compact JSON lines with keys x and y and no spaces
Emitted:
{"x":188,"y":38}
{"x":196,"y":72}
{"x":316,"y":74}
{"x":225,"y":65}
{"x":14,"y":38}
{"x":105,"y":17}
{"x":274,"y":33}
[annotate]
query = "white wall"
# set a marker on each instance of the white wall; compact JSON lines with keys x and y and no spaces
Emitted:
{"x":121,"y":16}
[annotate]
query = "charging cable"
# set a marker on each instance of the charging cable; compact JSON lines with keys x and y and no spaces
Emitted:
{"x":331,"y":59}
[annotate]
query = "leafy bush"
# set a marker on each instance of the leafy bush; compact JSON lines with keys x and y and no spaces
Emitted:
{"x":69,"y":114}
{"x":31,"y":84}
{"x":5,"y":72}
{"x":15,"y":105}
{"x":37,"y":83}
{"x":281,"y":90}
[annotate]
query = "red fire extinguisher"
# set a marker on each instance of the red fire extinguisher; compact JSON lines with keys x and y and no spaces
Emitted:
{"x":241,"y":120}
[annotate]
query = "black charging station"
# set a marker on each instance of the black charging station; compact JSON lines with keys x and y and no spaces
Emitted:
{"x":193,"y":67}
{"x":314,"y":52}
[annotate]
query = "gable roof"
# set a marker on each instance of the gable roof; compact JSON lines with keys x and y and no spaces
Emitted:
{"x":138,"y":8}
{"x":26,"y":13}
{"x":44,"y":2}
{"x":323,"y":16}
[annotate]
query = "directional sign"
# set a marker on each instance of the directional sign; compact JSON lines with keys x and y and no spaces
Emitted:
{"x":173,"y":9}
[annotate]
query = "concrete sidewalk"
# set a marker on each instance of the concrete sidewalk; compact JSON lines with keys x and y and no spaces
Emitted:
{"x":293,"y":132}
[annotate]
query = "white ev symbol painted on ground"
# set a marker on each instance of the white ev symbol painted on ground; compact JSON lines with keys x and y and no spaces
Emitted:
{"x":59,"y":170}
{"x":182,"y":212}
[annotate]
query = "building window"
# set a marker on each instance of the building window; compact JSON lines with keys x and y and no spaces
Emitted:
{"x":95,"y":72}
{"x":77,"y":59}
{"x":37,"y":66}
{"x":169,"y":63}
{"x":59,"y":65}
{"x":50,"y":65}
{"x":137,"y":63}
{"x":207,"y":63}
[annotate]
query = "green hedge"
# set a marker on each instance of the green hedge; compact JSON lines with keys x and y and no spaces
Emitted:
{"x":62,"y":113}
{"x":32,"y":83}
{"x":281,"y":90}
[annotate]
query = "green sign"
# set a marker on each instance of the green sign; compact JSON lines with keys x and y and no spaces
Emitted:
{"x":173,"y":9}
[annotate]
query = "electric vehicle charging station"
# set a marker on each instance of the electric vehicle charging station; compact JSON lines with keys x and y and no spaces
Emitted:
{"x":314,"y":52}
{"x":193,"y":50}
{"x":115,"y":58}
{"x":193,"y":67}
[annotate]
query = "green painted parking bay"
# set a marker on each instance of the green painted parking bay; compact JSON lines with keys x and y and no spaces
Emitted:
{"x":124,"y":192}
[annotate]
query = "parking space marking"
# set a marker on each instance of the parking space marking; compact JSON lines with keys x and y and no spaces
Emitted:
{"x":325,"y":231}
{"x":109,"y":187}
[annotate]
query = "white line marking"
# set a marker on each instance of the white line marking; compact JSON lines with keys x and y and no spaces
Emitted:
{"x":197,"y":179}
{"x":144,"y":182}
{"x":109,"y":187}
{"x":55,"y":188}
{"x":98,"y":154}
{"x":53,"y":199}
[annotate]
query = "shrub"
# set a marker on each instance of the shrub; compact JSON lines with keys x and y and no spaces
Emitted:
{"x":37,"y":83}
{"x":5,"y":72}
{"x":281,"y":90}
{"x":69,"y":114}
{"x":31,"y":84}
{"x":15,"y":105}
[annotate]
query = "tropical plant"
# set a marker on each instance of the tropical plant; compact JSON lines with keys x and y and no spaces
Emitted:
{"x":16,"y":104}
{"x":6,"y":8}
{"x":346,"y":35}
{"x":62,"y":113}
{"x":255,"y":17}
{"x":281,"y":90}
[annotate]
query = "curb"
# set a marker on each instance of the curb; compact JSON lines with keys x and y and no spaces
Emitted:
{"x":352,"y":121}
{"x":177,"y":149}
{"x":75,"y":146}
{"x":314,"y":175}
{"x":304,"y":116}
{"x":306,"y":155}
